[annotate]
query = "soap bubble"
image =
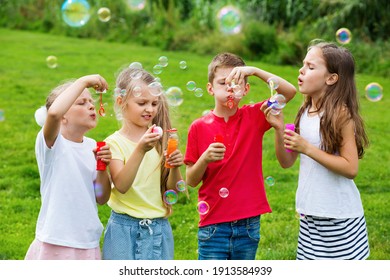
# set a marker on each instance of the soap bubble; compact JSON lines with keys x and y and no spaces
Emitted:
{"x":170,"y":197}
{"x":155,"y":88}
{"x":273,"y":83}
{"x":343,"y":36}
{"x":104,"y":14}
{"x":270,"y":181}
{"x":374,"y":92}
{"x":229,"y":20}
{"x":183,"y":64}
{"x":203,"y":207}
{"x":40,"y":115}
{"x":181,"y":185}
{"x":135,"y":65}
{"x":191,"y":85}
{"x":136,"y":5}
{"x":157,"y":69}
{"x":198,"y":92}
{"x":174,"y":96}
{"x":277,"y":102}
{"x":52,"y":61}
{"x":163,"y":61}
{"x":223,"y":192}
{"x":75,"y":13}
{"x":2,"y":115}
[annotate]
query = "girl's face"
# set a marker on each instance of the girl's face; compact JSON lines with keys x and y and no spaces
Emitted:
{"x":221,"y":91}
{"x":82,"y":114}
{"x":140,"y":110}
{"x":313,"y":76}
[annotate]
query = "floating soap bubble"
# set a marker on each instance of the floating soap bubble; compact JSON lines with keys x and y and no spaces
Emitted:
{"x":191,"y":85}
{"x":205,"y":112}
{"x":198,"y":92}
{"x":223,"y":192}
{"x":174,"y":96}
{"x":277,"y":102}
{"x":163,"y":61}
{"x":273,"y":84}
{"x":170,"y":197}
{"x":270,"y":181}
{"x":229,"y":20}
{"x":52,"y":61}
{"x":104,"y":14}
{"x":183,"y":64}
{"x":237,"y":92}
{"x":157,"y":69}
{"x":181,"y":186}
{"x":75,"y":13}
{"x":98,"y":190}
{"x":157,"y":129}
{"x":136,"y":5}
{"x":374,"y":92}
{"x":137,"y":91}
{"x":155,"y":88}
{"x":203,"y":207}
{"x":2,"y":115}
{"x":136,"y":74}
{"x":343,"y":36}
{"x":135,"y":65}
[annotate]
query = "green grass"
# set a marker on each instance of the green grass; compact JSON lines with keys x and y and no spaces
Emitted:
{"x":26,"y":80}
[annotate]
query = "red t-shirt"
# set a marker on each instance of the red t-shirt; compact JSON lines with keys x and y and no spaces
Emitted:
{"x":240,"y":172}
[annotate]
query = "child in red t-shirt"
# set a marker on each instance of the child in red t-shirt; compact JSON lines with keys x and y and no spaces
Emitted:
{"x":224,"y":151}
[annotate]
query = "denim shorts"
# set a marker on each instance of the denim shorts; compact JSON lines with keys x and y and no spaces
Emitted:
{"x":237,"y":240}
{"x":128,"y":238}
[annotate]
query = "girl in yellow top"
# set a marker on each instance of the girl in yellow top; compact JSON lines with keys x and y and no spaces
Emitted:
{"x":138,"y":227}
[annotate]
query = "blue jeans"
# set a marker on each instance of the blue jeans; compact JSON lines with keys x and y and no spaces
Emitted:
{"x":237,"y":240}
{"x":128,"y":238}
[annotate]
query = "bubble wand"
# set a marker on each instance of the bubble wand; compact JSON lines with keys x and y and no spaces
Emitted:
{"x":101,"y":111}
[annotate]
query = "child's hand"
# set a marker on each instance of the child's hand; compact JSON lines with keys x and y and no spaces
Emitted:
{"x":239,"y":73}
{"x":216,"y":151}
{"x":295,"y":142}
{"x":149,"y":140}
{"x":95,"y":81}
{"x":175,"y":159}
{"x":275,"y":121}
{"x":103,"y":154}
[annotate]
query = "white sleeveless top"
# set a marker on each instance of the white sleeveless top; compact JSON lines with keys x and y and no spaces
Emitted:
{"x":321,"y":192}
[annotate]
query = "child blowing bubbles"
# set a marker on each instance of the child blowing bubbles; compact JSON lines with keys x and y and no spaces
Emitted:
{"x":68,"y":226}
{"x":138,"y":227}
{"x":330,"y":139}
{"x":224,"y":151}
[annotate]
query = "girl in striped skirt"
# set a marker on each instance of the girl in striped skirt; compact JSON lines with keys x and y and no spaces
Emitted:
{"x":330,"y":139}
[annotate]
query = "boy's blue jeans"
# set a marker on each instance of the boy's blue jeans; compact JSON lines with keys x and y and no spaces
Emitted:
{"x":237,"y":240}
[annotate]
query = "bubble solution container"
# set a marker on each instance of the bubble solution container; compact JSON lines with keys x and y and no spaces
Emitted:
{"x":290,"y":126}
{"x":100,"y":165}
{"x":173,"y":142}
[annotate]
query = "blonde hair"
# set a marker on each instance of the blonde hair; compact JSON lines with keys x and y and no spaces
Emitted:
{"x":57,"y":91}
{"x":339,"y":103}
{"x":125,"y":85}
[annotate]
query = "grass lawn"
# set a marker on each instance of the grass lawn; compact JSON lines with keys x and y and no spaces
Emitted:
{"x":26,"y":80}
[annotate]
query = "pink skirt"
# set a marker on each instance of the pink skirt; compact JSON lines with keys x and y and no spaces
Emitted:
{"x":45,"y":251}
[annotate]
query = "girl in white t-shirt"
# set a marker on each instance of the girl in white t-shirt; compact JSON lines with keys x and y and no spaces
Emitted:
{"x":68,"y":225}
{"x":138,"y":227}
{"x":330,"y":139}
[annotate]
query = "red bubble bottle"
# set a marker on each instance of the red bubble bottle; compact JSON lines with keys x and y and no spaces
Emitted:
{"x":173,"y":142}
{"x":100,"y":165}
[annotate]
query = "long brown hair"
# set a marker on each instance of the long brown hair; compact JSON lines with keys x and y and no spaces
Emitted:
{"x":125,"y":86}
{"x":339,"y":104}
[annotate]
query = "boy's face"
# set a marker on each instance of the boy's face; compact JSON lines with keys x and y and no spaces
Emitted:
{"x":226,"y":95}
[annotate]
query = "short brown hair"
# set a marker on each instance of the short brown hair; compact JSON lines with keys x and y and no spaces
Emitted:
{"x":223,"y":60}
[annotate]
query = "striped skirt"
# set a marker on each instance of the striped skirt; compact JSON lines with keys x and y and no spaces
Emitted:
{"x":327,"y":238}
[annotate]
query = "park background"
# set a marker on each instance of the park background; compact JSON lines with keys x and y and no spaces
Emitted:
{"x":272,"y":35}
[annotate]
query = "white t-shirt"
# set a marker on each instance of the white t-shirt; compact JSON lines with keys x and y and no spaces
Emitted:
{"x":68,"y":214}
{"x":321,"y":192}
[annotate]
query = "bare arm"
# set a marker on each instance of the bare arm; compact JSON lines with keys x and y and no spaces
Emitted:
{"x":345,"y":164}
{"x":239,"y":73}
{"x":195,"y":172}
{"x":123,"y":175}
{"x":64,"y":101}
